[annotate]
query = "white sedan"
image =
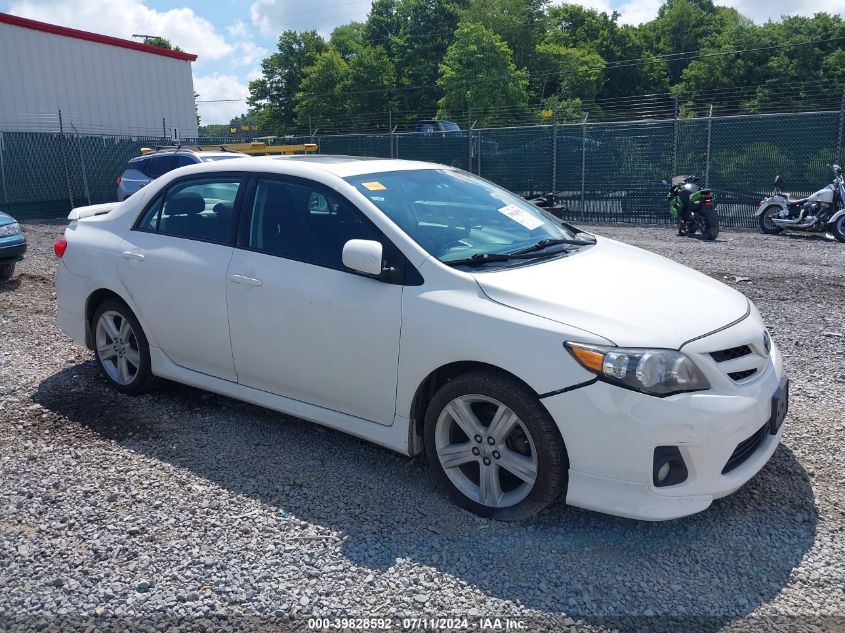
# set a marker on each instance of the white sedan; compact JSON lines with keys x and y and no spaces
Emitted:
{"x":426,"y":309}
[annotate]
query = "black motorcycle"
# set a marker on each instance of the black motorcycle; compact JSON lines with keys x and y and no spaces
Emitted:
{"x":551,"y":203}
{"x":692,"y":207}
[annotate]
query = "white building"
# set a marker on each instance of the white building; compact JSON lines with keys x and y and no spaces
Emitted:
{"x":101,"y":84}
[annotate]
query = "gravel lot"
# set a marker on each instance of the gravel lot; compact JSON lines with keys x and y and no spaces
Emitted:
{"x":183,"y":508}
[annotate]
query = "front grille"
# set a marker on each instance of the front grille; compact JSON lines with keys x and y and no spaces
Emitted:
{"x":745,"y":449}
{"x":729,"y":354}
{"x":742,"y":375}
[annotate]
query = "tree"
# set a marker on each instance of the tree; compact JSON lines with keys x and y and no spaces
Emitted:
{"x":570,"y":72}
{"x":348,"y":39}
{"x":322,"y":95}
{"x":425,"y":27}
{"x":274,"y":95}
{"x":162,"y":42}
{"x":372,"y":81}
{"x":478,"y":74}
{"x":520,"y":23}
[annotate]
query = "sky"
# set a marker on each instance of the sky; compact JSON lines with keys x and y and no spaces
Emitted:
{"x":231,"y":37}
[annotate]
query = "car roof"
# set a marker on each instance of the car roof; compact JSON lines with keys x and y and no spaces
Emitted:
{"x":186,"y":150}
{"x":345,"y":166}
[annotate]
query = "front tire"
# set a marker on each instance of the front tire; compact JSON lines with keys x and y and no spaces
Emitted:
{"x":765,"y":220}
{"x":837,"y":229}
{"x":6,"y":271}
{"x":121,"y":348}
{"x":494,"y":446}
{"x":711,"y":225}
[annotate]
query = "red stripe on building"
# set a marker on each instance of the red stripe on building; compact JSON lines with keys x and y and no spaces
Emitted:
{"x":35,"y":25}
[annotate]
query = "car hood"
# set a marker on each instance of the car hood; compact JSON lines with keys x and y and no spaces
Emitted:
{"x":622,"y":293}
{"x":5,"y":218}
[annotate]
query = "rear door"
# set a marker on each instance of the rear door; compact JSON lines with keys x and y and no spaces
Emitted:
{"x":173,"y":264}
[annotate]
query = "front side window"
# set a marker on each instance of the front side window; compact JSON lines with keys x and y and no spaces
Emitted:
{"x":304,"y":221}
{"x":456,"y":216}
{"x":198,"y":209}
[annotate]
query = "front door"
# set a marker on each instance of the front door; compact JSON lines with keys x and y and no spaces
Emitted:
{"x":302,"y":325}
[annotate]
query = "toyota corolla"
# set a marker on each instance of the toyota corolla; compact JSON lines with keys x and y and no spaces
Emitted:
{"x":428,"y":310}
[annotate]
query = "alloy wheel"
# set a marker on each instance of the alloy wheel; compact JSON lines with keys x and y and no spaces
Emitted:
{"x":486,"y":451}
{"x":117,"y":347}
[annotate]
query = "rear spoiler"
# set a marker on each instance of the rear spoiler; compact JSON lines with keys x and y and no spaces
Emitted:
{"x":80,"y":213}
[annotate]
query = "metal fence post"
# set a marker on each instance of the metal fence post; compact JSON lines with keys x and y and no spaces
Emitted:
{"x":675,"y":142}
{"x":63,"y":152}
{"x":584,"y":158}
{"x":478,"y":141}
{"x":469,"y":136}
{"x":707,"y":155}
{"x":163,"y":128}
{"x":554,"y":154}
{"x":82,"y":164}
{"x":838,"y":155}
{"x":390,"y":131}
{"x":3,"y":169}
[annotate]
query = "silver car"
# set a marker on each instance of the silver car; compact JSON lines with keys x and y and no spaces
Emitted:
{"x":144,"y":169}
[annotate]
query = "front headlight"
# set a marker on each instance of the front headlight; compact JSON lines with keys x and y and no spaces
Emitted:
{"x":658,"y":372}
{"x":10,"y":229}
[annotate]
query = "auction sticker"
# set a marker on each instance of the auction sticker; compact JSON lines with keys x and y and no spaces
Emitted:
{"x":374,"y":186}
{"x":522,"y":216}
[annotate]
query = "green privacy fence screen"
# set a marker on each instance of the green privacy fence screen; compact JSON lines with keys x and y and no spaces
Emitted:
{"x":609,"y":172}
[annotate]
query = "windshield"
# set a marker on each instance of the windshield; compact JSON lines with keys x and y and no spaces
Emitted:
{"x":208,"y":159}
{"x":454,"y":215}
{"x":450,"y":127}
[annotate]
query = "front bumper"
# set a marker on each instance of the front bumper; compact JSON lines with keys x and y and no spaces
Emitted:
{"x":611,"y":434}
{"x":12,"y":248}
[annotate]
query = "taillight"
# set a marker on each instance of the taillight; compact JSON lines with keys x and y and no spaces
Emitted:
{"x":60,"y":247}
{"x":117,"y":181}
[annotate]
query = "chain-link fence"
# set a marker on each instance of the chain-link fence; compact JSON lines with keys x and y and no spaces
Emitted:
{"x":609,"y":172}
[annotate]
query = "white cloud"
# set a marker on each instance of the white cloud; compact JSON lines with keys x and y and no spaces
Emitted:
{"x":271,"y":17}
{"x":638,"y":11}
{"x":763,"y":10}
{"x":181,"y":26}
{"x":217,"y":87}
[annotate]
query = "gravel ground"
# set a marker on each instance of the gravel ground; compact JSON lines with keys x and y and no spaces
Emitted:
{"x":183,"y":508}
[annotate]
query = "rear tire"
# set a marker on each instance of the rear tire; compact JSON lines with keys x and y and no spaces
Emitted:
{"x":765,"y":220}
{"x":6,"y":271}
{"x":507,"y":458}
{"x":121,"y":348}
{"x":837,"y":229}
{"x":711,"y":225}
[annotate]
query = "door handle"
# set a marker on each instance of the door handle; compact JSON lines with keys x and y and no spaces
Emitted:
{"x":133,"y":255}
{"x":249,"y":281}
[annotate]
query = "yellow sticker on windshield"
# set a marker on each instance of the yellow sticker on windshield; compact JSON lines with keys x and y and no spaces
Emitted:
{"x":374,"y":186}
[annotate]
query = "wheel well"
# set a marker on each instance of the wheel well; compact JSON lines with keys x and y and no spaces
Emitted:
{"x":94,"y":300}
{"x":436,"y":379}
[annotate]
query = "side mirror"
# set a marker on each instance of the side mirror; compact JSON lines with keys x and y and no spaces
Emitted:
{"x":664,"y":183}
{"x":363,"y":256}
{"x":778,"y":182}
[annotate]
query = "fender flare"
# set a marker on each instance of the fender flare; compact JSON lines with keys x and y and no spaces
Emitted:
{"x":774,"y":201}
{"x":836,"y":216}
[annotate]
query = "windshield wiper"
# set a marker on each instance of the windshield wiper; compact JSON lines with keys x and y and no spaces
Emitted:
{"x":542,"y":244}
{"x":480,"y":259}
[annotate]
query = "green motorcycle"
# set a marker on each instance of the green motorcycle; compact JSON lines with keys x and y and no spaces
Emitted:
{"x":693,"y":208}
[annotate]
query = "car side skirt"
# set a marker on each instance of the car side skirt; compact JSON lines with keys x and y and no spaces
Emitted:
{"x":394,"y":437}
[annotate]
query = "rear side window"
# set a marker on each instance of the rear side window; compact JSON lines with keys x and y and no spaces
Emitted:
{"x":196,"y":209}
{"x":183,"y":160}
{"x":160,"y":164}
